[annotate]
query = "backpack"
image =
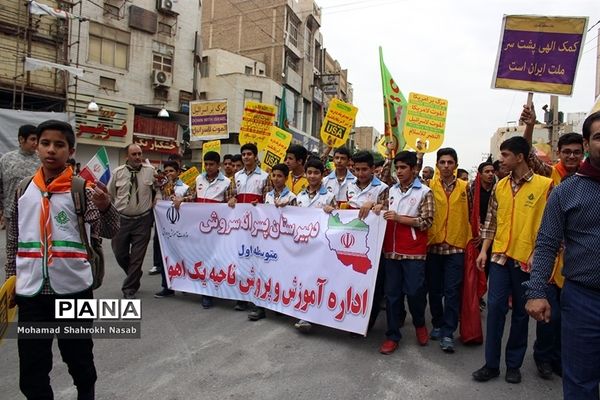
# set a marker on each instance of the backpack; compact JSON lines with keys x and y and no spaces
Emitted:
{"x":93,"y":246}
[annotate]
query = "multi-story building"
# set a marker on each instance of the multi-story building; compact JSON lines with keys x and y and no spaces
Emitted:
{"x":283,"y":38}
{"x":23,"y":35}
{"x":365,"y":137}
{"x":227,"y":75}
{"x":136,"y":59}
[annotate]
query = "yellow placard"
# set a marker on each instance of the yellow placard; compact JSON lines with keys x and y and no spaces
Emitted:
{"x":214,"y":145}
{"x":275,"y":149}
{"x":208,"y":120}
{"x":7,"y":314}
{"x":189,"y":177}
{"x":338,"y":123}
{"x":256,"y":122}
{"x":425,"y":122}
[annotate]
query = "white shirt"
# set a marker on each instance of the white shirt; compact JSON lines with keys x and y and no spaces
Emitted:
{"x":321,"y":199}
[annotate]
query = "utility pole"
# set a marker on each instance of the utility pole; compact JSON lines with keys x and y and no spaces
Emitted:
{"x":554,"y":128}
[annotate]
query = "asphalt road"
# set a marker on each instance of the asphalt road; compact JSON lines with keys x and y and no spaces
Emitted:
{"x":187,"y":352}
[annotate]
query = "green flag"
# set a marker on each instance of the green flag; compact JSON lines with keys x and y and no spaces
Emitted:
{"x":282,"y":121}
{"x":394,"y":109}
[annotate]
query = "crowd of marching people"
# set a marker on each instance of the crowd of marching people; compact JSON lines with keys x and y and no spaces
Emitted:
{"x":525,"y":231}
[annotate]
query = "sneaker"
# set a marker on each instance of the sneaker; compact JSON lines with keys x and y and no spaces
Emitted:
{"x":303,"y":326}
{"x":513,"y":375}
{"x":436,"y":334}
{"x":484,"y":374}
{"x":447,"y":345}
{"x":164,"y":293}
{"x":544,"y":369}
{"x":207,"y":302}
{"x":422,"y":335}
{"x":256,"y":314}
{"x":154,"y":271}
{"x":388,"y":346}
{"x":241,"y":305}
{"x":482,"y":305}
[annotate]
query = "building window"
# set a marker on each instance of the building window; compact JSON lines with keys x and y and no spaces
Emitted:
{"x":165,"y":28}
{"x":253,"y":95}
{"x":184,"y":100}
{"x":202,"y":96}
{"x":161,"y":93}
{"x":162,"y":62}
{"x":261,"y":72}
{"x":108,"y":83}
{"x":292,"y":30}
{"x":108,"y":46}
{"x":204,"y":67}
{"x":292,"y":62}
{"x":248,"y":70}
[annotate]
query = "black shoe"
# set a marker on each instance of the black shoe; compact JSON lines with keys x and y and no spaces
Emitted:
{"x":154,"y":270}
{"x":544,"y":369}
{"x":88,"y":394}
{"x":207,"y":302}
{"x":258,"y":313}
{"x":164,"y":293}
{"x":241,"y":305}
{"x":484,"y":374}
{"x":557,"y":369}
{"x":129,"y":296}
{"x":513,"y":375}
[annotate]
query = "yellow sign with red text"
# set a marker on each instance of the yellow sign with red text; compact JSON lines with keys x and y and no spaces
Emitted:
{"x":425,"y":122}
{"x":338,"y":123}
{"x":256,"y":122}
{"x":275,"y":149}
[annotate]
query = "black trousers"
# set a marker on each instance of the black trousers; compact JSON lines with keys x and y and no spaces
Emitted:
{"x":35,"y":355}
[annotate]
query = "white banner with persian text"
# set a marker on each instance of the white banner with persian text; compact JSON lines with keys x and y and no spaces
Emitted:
{"x":297,"y":261}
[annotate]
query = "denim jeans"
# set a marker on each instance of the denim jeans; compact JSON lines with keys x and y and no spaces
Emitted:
{"x":580,"y":341}
{"x":444,"y":274}
{"x":506,"y":280}
{"x":547,"y":335}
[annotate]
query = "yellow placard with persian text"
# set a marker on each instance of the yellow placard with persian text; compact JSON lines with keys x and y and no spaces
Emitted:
{"x":275,"y":149}
{"x":256,"y":122}
{"x":7,"y":314}
{"x":338,"y":123}
{"x":425,"y":122}
{"x":189,"y":177}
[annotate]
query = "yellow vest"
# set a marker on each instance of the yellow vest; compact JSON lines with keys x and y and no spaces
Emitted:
{"x":298,"y":186}
{"x":519,"y":216}
{"x":451,"y":217}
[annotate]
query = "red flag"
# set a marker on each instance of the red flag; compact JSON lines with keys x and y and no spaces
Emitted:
{"x":474,"y":282}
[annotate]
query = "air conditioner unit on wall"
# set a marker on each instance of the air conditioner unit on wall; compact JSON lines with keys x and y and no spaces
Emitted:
{"x":161,"y":78}
{"x":164,"y":5}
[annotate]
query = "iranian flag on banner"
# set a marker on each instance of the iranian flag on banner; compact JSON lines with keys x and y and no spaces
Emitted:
{"x":98,"y":168}
{"x":349,"y":242}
